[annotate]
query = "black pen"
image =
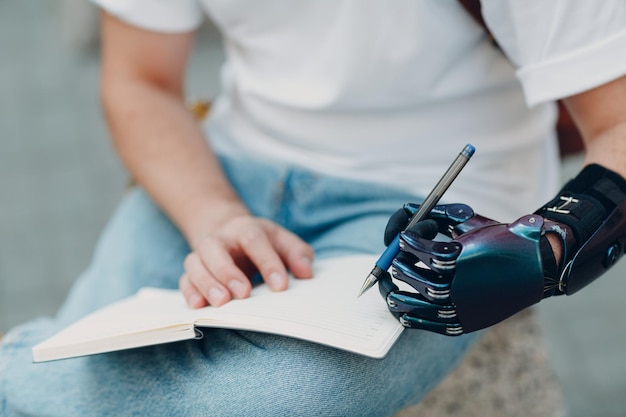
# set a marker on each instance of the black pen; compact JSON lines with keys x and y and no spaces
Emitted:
{"x":384,"y":262}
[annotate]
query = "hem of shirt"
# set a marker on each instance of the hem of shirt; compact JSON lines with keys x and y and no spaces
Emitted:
{"x":574,"y":72}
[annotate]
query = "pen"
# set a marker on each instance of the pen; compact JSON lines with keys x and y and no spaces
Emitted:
{"x":384,"y":262}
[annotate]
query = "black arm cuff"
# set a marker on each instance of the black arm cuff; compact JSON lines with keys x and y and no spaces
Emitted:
{"x":585,"y":202}
{"x":588,"y":215}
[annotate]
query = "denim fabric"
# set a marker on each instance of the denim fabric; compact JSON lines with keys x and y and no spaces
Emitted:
{"x":228,"y":373}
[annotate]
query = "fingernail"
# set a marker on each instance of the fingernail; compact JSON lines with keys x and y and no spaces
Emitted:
{"x":305,"y":269}
{"x":276,"y":281}
{"x":215,"y":295}
{"x":237,"y":288}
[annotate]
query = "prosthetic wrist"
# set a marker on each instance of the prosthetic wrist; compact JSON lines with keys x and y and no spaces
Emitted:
{"x":589,"y":217}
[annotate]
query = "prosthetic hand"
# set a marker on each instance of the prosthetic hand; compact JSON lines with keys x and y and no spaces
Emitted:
{"x":485,"y":271}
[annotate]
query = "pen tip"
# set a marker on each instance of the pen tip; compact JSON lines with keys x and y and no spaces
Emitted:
{"x":361,"y":291}
{"x":369,"y":283}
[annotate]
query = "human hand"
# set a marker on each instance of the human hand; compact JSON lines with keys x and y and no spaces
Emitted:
{"x":220,"y":266}
{"x":483,"y":273}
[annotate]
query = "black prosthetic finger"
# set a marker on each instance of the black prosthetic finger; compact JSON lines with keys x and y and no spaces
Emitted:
{"x":440,"y":219}
{"x":397,"y":222}
{"x":386,"y":285}
{"x":407,"y":258}
{"x":426,"y":229}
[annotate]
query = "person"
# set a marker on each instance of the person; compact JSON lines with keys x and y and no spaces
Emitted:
{"x":332,"y":116}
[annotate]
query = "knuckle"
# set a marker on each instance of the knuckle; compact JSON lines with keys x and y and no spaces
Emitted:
{"x":240,"y":222}
{"x":197,"y":279}
{"x":223,"y":272}
{"x":251,"y":237}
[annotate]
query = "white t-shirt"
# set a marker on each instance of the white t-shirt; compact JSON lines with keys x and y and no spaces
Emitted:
{"x":391,"y":91}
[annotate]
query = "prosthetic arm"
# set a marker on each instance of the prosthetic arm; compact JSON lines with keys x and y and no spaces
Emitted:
{"x":485,"y":271}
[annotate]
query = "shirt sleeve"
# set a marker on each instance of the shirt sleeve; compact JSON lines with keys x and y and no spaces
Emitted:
{"x":560,"y":47}
{"x":156,"y":15}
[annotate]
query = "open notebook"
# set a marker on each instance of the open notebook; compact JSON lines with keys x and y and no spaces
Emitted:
{"x":324,"y":309}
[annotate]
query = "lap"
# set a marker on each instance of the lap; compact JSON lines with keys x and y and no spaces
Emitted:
{"x":227,"y":372}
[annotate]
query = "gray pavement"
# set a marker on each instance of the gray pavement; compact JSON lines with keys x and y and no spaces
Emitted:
{"x":60,"y":180}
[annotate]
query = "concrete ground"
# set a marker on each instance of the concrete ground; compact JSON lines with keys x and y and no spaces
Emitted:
{"x":59,"y":181}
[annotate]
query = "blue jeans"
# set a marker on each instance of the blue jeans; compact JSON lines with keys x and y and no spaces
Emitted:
{"x":228,"y":373}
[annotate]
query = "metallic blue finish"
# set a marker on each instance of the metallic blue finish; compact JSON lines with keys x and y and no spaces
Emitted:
{"x":499,"y":272}
{"x":485,"y":273}
{"x":427,"y":250}
{"x":423,"y":281}
{"x":450,"y":329}
{"x":456,"y":213}
{"x":411,"y":303}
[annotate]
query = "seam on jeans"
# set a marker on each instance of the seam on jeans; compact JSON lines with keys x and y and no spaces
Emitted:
{"x":242,"y":334}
